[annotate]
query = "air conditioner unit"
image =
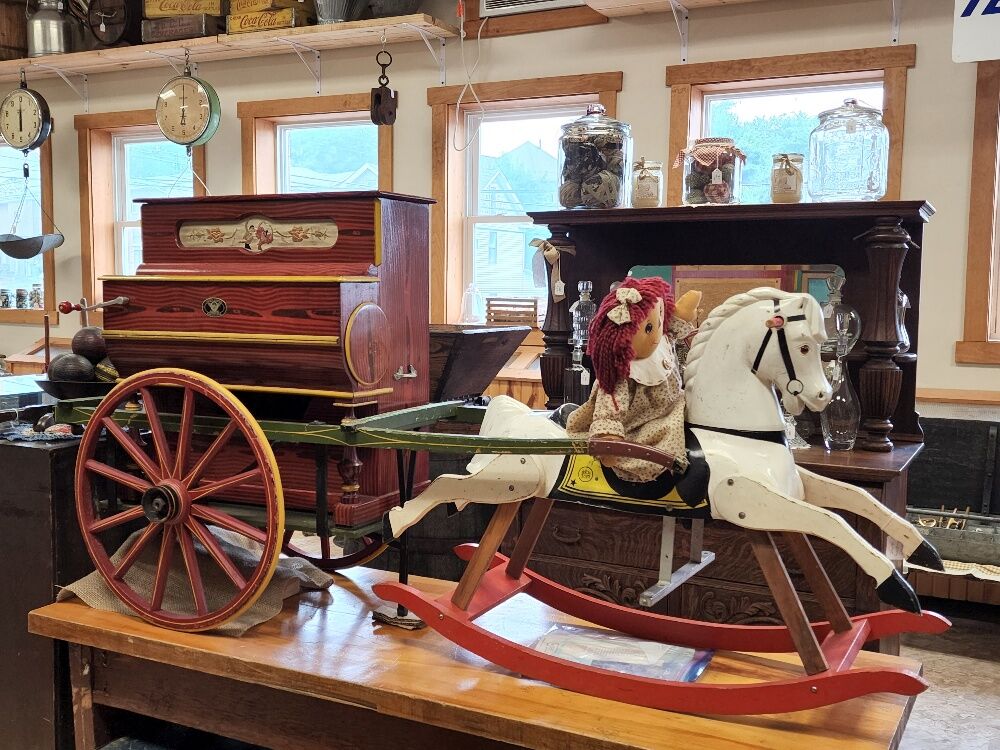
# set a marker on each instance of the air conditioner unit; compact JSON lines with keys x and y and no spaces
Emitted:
{"x":489,"y":8}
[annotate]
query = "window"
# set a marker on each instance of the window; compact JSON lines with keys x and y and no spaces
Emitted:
{"x":981,"y":336}
{"x":480,"y":231}
{"x":769,"y":121}
{"x":147,"y":165}
{"x":770,"y":105}
{"x":123,"y":156}
{"x":314,"y":157}
{"x":21,"y":213}
{"x":314,"y":144}
{"x":512,"y":169}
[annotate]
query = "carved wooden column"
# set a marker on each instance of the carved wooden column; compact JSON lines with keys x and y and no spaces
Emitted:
{"x":880,"y":377}
{"x":558,"y":326}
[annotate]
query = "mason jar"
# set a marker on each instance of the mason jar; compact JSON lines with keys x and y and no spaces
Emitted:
{"x":786,"y":178}
{"x":647,"y":183}
{"x":849,"y":154}
{"x":713,"y":169}
{"x":594,"y":154}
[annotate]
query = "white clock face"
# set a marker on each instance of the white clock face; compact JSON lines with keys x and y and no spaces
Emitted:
{"x":20,"y":119}
{"x":183,"y":110}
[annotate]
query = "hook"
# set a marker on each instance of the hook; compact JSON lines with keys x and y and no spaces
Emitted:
{"x":383,"y":80}
{"x":383,"y":39}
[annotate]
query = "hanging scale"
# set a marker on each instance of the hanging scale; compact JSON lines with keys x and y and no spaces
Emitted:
{"x":384,"y":99}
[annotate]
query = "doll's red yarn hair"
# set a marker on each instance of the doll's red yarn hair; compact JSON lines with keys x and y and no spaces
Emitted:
{"x":610,"y":344}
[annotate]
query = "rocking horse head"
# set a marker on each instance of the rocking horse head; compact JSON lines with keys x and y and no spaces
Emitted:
{"x":750,"y":347}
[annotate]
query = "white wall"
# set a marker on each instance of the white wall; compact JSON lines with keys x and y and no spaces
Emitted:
{"x":937,"y":151}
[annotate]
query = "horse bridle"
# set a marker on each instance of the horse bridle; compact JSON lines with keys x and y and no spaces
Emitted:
{"x":777,"y":323}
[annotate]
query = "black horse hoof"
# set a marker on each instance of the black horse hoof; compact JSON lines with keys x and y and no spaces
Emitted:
{"x":926,"y":557}
{"x":895,"y":591}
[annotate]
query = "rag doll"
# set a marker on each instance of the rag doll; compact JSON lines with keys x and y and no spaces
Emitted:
{"x":639,"y":394}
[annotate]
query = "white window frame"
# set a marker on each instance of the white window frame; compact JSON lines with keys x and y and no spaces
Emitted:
{"x":470,"y":216}
{"x":994,"y":311}
{"x":119,"y":141}
{"x":281,"y":143}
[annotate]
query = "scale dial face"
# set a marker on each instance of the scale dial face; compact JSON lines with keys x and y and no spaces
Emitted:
{"x":187,"y":111}
{"x":24,"y":119}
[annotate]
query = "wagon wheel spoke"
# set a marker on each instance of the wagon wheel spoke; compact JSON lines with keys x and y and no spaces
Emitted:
{"x":116,"y":520}
{"x":135,"y":550}
{"x":159,"y":436}
{"x":193,"y":571}
{"x":211,"y":544}
{"x":217,"y":486}
{"x":137,"y":454}
{"x":121,"y":477}
{"x":162,"y":568}
{"x":226,"y":521}
{"x":184,"y":433}
{"x":213,"y":450}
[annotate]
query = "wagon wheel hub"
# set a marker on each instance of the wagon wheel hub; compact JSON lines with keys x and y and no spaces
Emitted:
{"x":164,"y":503}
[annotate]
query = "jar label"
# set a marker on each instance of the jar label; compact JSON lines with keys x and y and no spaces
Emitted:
{"x":717,"y":176}
{"x":585,"y":377}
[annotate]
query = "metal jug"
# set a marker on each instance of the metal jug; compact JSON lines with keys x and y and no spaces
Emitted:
{"x":50,"y":30}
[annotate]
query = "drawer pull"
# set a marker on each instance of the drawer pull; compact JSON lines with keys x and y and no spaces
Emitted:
{"x":566,"y":535}
{"x":400,"y":374}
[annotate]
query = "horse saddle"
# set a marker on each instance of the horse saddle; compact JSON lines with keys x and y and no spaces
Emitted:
{"x":583,"y":479}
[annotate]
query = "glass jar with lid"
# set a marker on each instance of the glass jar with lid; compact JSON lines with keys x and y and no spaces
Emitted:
{"x":786,"y":178}
{"x":647,"y":183}
{"x":849,"y":154}
{"x":713,"y":169}
{"x":594,"y":154}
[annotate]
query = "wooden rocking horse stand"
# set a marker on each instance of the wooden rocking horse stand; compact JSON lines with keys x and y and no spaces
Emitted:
{"x":827,"y":649}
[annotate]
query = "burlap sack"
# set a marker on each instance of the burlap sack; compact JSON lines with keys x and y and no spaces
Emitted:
{"x":292,"y":575}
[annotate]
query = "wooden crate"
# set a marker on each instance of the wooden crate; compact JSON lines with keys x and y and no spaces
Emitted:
{"x":511,"y":310}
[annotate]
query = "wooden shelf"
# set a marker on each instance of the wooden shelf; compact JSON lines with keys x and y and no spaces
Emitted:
{"x":231,"y":46}
{"x":615,"y":8}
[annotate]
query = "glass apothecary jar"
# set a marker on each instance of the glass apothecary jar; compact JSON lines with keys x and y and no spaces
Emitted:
{"x":786,"y":178}
{"x":849,"y":154}
{"x":713,"y":169}
{"x":595,"y":152}
{"x":647,"y":183}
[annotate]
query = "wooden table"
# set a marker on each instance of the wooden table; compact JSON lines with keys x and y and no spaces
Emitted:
{"x":321,"y":675}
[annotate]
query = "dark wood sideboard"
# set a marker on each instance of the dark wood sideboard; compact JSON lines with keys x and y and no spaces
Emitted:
{"x":614,"y":556}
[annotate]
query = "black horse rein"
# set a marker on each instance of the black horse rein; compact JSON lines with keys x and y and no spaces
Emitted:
{"x":777,"y":323}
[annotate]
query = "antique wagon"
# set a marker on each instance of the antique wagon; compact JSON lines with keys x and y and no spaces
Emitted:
{"x":253,"y":327}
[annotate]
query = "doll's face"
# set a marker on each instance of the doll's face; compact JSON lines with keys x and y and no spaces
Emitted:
{"x":650,"y":331}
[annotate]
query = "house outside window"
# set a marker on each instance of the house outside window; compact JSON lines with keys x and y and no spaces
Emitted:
{"x":774,"y":120}
{"x":511,"y":169}
{"x":20,"y":274}
{"x":146,"y":165}
{"x":327,"y":156}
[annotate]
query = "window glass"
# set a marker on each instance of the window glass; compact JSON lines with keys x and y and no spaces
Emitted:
{"x":146,"y":166}
{"x":772,"y":121}
{"x":20,"y":274}
{"x":327,"y":156}
{"x":512,"y":169}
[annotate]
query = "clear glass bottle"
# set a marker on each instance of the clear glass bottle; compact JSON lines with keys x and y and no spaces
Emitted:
{"x":843,"y":323}
{"x":576,"y":379}
{"x":647,"y":183}
{"x":594,"y":154}
{"x":713,"y":169}
{"x":841,"y":417}
{"x":473,"y":306}
{"x":583,"y":312}
{"x":849,"y":154}
{"x":786,"y":178}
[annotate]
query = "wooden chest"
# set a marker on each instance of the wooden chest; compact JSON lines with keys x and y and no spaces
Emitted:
{"x":308,"y":306}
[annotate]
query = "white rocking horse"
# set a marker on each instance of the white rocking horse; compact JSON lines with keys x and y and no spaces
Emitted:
{"x":748,"y":348}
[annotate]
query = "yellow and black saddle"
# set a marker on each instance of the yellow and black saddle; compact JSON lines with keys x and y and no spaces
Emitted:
{"x":583,"y":479}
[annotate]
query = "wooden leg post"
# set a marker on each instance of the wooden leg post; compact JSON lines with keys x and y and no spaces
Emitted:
{"x":788,"y":602}
{"x":529,"y":535}
{"x":88,"y":729}
{"x":503,"y":516}
{"x":819,"y":582}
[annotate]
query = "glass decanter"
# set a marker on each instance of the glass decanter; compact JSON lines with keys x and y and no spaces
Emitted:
{"x":841,"y":417}
{"x":843,"y":323}
{"x":576,"y":379}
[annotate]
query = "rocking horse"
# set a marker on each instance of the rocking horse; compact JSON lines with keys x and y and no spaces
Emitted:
{"x":740,"y":471}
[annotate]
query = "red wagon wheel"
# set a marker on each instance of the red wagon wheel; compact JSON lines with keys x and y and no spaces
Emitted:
{"x":164,"y":494}
{"x":363,"y":550}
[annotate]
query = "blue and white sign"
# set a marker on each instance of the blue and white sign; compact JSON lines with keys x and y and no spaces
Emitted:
{"x":977,"y":30}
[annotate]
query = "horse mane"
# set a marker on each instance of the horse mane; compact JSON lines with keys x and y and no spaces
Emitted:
{"x":721,"y":313}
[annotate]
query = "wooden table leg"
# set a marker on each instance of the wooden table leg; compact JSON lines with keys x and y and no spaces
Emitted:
{"x":87,"y":726}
